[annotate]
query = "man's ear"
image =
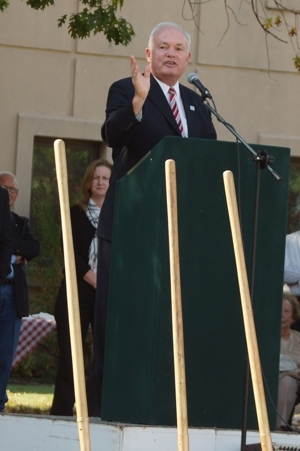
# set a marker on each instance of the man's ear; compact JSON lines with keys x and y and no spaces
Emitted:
{"x":148,"y":54}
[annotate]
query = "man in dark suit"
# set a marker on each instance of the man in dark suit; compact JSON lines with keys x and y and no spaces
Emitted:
{"x":5,"y":237}
{"x":7,"y":323}
{"x":138,"y":116}
{"x":24,"y":248}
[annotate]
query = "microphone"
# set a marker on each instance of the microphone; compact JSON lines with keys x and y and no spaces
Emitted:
{"x":194,"y":80}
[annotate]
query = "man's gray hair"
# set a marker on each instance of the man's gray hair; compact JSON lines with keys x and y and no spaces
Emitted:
{"x":3,"y":173}
{"x":163,"y":25}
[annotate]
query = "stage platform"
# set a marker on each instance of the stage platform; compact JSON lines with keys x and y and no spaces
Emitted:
{"x":45,"y":433}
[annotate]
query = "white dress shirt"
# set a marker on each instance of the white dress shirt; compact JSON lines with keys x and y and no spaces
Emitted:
{"x":292,"y":262}
{"x":165,"y":89}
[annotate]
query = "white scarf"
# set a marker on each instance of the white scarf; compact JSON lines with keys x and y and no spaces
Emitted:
{"x":93,"y":213}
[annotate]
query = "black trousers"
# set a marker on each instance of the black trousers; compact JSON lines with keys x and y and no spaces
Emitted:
{"x":64,"y":397}
{"x":103,"y":272}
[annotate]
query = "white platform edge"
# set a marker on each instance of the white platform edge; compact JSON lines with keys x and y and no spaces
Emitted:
{"x":30,"y":433}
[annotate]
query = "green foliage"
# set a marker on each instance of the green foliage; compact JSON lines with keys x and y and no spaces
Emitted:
{"x":45,"y":222}
{"x":270,"y":22}
{"x":3,"y":5}
{"x":39,"y":4}
{"x":97,"y":17}
{"x":297,"y":62}
{"x":101,"y":19}
{"x":294,"y":199}
{"x":42,"y":389}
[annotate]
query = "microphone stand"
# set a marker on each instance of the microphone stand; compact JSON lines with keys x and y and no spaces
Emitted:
{"x":263,"y":161}
{"x":261,"y":157}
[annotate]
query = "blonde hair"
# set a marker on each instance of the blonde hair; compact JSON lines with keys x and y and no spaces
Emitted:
{"x":87,"y":180}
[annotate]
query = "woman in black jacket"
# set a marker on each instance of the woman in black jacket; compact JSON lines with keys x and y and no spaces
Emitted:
{"x":84,"y":220}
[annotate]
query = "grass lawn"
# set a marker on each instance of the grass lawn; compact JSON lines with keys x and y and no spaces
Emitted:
{"x":30,"y":399}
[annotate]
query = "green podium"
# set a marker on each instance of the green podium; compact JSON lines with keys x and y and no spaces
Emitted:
{"x":139,"y":371}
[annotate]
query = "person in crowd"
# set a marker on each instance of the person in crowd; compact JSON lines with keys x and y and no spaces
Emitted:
{"x":289,"y":376}
{"x":7,"y":307}
{"x":24,"y":248}
{"x":140,"y":111}
{"x":5,"y":236}
{"x":84,"y":221}
{"x":292,"y":267}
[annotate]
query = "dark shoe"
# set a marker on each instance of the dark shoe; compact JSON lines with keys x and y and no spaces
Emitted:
{"x":283,"y":428}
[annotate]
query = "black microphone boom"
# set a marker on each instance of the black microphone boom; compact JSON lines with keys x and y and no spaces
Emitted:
{"x":194,"y":80}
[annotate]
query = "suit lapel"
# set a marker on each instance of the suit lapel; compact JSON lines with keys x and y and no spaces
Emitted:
{"x":15,"y":226}
{"x":190,"y":112}
{"x":157,"y":97}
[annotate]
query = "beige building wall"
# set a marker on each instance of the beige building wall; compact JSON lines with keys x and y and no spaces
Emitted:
{"x":54,"y":86}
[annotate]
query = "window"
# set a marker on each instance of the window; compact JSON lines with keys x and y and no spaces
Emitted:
{"x":293,"y":221}
{"x":46,"y":270}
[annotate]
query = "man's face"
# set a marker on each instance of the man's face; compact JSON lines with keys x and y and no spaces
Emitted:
{"x":8,"y":182}
{"x":168,"y":55}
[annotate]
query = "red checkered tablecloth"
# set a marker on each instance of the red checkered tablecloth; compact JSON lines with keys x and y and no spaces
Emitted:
{"x":33,"y":330}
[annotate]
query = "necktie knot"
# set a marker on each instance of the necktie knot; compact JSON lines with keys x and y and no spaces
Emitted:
{"x":172,"y":93}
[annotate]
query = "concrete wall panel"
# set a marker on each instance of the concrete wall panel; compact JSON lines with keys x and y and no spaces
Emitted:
{"x":36,"y":81}
{"x":22,"y":26}
{"x":92,"y":80}
{"x":243,"y":44}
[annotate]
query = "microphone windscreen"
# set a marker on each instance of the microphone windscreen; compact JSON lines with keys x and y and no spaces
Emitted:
{"x":192,"y":76}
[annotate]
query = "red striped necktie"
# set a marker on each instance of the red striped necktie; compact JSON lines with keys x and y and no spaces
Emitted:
{"x":175,"y":109}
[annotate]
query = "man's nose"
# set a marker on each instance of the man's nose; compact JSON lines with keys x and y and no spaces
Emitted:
{"x":171,"y":52}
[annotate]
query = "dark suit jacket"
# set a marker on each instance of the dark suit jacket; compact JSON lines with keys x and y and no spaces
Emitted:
{"x":25,"y":245}
{"x":5,"y":235}
{"x":132,"y":139}
{"x":83,"y":233}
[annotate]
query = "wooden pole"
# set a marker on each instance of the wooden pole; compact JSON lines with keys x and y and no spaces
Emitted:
{"x":254,"y":361}
{"x":177,"y":323}
{"x":72,"y":297}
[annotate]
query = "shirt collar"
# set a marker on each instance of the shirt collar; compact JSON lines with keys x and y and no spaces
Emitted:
{"x":166,"y":88}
